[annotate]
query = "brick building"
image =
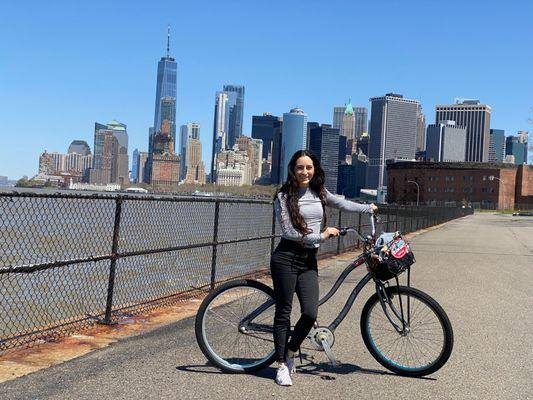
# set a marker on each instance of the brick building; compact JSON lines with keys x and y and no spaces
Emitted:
{"x":165,"y":169}
{"x":452,"y":183}
{"x":165,"y":164}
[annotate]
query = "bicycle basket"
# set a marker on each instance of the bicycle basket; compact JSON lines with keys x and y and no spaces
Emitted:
{"x":393,"y":256}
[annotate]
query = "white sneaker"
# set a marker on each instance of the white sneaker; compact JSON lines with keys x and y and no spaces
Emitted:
{"x":283,"y":377}
{"x":291,"y":365}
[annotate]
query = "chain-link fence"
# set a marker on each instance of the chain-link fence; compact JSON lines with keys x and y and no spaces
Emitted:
{"x":68,"y":261}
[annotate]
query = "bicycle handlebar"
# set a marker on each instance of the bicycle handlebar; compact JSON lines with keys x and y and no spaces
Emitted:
{"x":373,"y":221}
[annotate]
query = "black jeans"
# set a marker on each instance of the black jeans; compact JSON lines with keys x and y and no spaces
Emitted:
{"x":294,"y":269}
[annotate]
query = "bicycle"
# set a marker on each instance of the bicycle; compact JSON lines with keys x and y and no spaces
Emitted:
{"x":403,"y":328}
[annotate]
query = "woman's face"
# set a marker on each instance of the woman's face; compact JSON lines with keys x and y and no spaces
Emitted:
{"x":304,"y":171}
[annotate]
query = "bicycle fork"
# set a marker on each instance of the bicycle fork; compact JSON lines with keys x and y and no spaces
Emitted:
{"x":386,"y":304}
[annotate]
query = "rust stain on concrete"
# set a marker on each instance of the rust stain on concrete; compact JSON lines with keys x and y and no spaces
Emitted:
{"x":20,"y":362}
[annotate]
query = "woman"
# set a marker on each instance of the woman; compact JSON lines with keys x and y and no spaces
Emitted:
{"x":300,"y":205}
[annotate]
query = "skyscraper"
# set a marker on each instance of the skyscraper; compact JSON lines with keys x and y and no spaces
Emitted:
{"x":165,"y":164}
{"x":310,"y":125}
{"x":165,"y":101}
{"x":220,"y":129}
{"x":110,"y":164}
{"x":324,"y":143}
{"x":476,"y":117}
{"x":135,"y":166}
{"x":363,"y":143}
{"x":348,"y":128}
{"x":516,"y":146}
{"x":421,"y":131}
{"x":167,"y":75}
{"x":168,"y":113}
{"x":193,"y":129}
{"x":523,"y":137}
{"x":254,"y":151}
{"x":195,"y":166}
{"x":141,"y":163}
{"x":264,"y":127}
{"x":293,"y":138}
{"x":351,"y":123}
{"x":80,"y":147}
{"x":342,"y":150}
{"x":105,"y":156}
{"x":236,"y":112}
{"x":122,"y":169}
{"x":393,"y":124}
{"x":352,"y":178}
{"x":446,"y":142}
{"x":361,"y":121}
{"x":188,"y":132}
{"x":275,"y":170}
{"x":497,"y":145}
{"x":184,"y":137}
{"x":338,"y":115}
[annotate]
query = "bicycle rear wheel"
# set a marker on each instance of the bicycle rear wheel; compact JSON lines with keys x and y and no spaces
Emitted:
{"x":422,"y":348}
{"x":234,"y":326}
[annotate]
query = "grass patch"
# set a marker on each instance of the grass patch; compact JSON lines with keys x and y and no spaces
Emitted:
{"x":478,"y":210}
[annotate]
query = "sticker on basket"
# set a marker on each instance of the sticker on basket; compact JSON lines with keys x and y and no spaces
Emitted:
{"x":399,"y":248}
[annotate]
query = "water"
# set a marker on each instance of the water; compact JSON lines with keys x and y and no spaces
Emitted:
{"x":36,"y":230}
{"x":41,"y":230}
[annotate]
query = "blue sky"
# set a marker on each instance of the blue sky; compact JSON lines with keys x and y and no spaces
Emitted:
{"x":66,"y":64}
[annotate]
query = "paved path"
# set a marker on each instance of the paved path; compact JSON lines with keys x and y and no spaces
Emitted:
{"x":480,"y":269}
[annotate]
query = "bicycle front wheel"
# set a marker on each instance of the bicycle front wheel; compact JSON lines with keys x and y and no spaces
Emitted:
{"x":234,"y":326}
{"x":425,"y":340}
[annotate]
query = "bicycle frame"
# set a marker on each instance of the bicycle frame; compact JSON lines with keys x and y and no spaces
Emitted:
{"x":355,"y":292}
{"x":247,"y":322}
{"x":380,"y":290}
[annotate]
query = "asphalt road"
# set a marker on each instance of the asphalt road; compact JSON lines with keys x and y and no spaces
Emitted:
{"x":479,"y":268}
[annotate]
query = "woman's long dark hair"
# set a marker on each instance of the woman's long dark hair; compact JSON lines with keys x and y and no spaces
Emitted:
{"x":291,"y":189}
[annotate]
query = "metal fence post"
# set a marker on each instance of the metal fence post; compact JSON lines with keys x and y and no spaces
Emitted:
{"x":112,"y":268}
{"x":215,"y":244}
{"x":339,"y":237}
{"x":358,"y":228}
{"x":272,"y":241}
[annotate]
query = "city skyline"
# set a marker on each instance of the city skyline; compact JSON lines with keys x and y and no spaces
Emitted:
{"x":69,"y":99}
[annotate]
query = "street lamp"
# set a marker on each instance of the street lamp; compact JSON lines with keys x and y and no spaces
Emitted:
{"x":492,"y":177}
{"x":417,"y":192}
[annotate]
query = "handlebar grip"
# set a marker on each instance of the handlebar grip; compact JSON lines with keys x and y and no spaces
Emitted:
{"x":343,"y":231}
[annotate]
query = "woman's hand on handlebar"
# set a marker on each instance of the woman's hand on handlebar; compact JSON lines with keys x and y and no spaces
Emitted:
{"x":374,"y":208}
{"x":331,"y":232}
